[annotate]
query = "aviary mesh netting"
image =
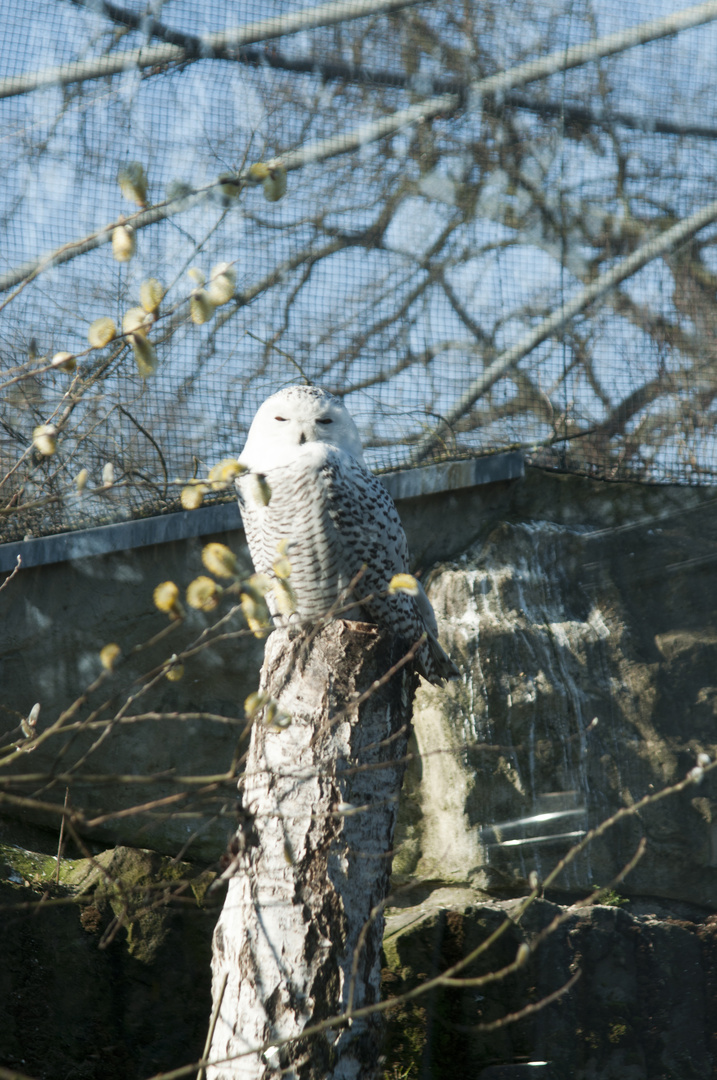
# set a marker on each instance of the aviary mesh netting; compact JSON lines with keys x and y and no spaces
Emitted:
{"x":431,"y":259}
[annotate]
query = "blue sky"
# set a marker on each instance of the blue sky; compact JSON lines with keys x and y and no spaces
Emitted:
{"x":360,"y":314}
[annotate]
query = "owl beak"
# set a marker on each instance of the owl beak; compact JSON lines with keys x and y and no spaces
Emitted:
{"x":302,"y":439}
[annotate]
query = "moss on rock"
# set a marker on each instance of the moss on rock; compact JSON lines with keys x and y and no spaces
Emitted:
{"x":106,"y":975}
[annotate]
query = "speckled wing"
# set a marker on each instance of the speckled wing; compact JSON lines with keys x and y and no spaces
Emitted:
{"x":370,"y":534}
{"x":338,"y":518}
{"x":298,"y":512}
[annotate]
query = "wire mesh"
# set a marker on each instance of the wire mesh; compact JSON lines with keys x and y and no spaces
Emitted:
{"x":394,"y":274}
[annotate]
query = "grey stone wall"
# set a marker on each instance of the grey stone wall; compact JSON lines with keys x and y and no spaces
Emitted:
{"x":565,"y":600}
{"x":56,"y":619}
{"x":583,"y":618}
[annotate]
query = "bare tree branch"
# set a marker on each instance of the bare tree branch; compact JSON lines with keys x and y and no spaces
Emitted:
{"x":361,"y":75}
{"x":328,"y":14}
{"x":372,"y":131}
{"x":652,"y":249}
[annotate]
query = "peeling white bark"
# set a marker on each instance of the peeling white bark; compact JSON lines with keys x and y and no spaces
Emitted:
{"x":294,"y":913}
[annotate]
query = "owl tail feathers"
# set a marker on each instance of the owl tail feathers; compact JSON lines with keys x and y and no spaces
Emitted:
{"x":434,"y":663}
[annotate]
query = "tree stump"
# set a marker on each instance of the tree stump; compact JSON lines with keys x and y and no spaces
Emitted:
{"x":299,"y":937}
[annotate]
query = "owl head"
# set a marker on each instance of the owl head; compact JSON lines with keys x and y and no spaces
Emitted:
{"x":294,"y":418}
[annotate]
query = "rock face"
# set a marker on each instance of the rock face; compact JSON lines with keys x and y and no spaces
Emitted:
{"x":84,"y":996}
{"x":108,"y":979}
{"x":641,"y":1008}
{"x":589,"y":656}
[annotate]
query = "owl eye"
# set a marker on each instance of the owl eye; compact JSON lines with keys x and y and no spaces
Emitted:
{"x":282,"y":418}
{"x":325,"y":420}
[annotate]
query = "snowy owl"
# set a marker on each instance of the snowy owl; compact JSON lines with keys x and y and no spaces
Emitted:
{"x":308,"y":494}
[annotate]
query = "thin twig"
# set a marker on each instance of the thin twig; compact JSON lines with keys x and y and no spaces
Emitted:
{"x":59,"y":842}
{"x":155,"y":444}
{"x":281,"y":352}
{"x":528,"y":1010}
{"x":210,"y":1034}
{"x":12,"y":573}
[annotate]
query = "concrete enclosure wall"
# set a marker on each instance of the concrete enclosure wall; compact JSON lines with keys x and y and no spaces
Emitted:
{"x":582,"y":614}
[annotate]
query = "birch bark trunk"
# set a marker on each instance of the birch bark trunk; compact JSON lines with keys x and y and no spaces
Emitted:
{"x":298,"y":940}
